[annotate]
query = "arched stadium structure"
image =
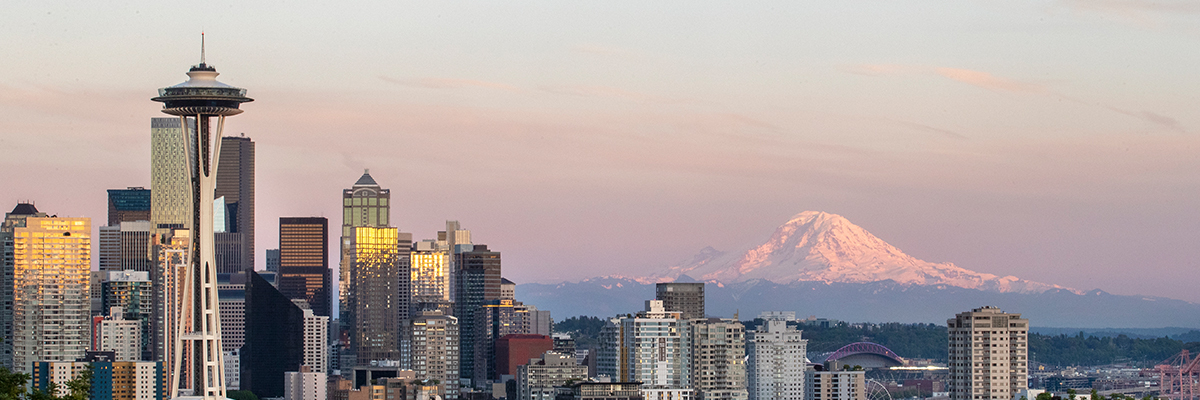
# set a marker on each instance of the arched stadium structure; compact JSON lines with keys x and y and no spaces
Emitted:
{"x":866,"y":354}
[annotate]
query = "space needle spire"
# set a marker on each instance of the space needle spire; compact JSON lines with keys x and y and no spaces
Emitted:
{"x":197,"y":341}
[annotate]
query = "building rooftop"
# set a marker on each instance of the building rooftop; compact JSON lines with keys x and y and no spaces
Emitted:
{"x":366,"y":179}
{"x":24,"y":209}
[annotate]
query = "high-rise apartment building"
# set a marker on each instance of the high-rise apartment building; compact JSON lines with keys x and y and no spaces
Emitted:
{"x":430,"y":281}
{"x":380,"y":273}
{"x":235,"y":184}
{"x":685,"y":297}
{"x":478,"y":281}
{"x":171,"y":250}
{"x":652,"y":347}
{"x":718,"y":359}
{"x":304,"y":261}
{"x":121,"y":336}
{"x":493,"y":320}
{"x":170,"y":195}
{"x":128,"y":205}
{"x":988,"y":354}
{"x":365,"y":204}
{"x":133,"y":293}
{"x":126,"y":246}
{"x":434,"y":352}
{"x":316,"y":337}
{"x":51,"y":303}
{"x":231,"y":304}
{"x":12,"y":220}
{"x":776,"y":362}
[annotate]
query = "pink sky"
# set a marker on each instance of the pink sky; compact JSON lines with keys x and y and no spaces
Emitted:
{"x":1054,"y":141}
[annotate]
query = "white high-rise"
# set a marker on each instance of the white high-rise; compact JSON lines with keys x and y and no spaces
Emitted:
{"x":653,"y":347}
{"x":988,"y":354}
{"x":776,"y":365}
{"x":316,"y":334}
{"x":120,"y":336}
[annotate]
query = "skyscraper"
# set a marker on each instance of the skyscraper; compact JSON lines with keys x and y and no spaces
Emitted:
{"x":235,"y":183}
{"x":988,"y":354}
{"x":718,"y":359}
{"x":304,"y":261}
{"x":687,"y":298}
{"x":274,"y":338}
{"x":430,"y":276}
{"x":132,"y":293}
{"x":364,"y":204}
{"x":494,"y":319}
{"x":12,"y":220}
{"x":126,"y":246}
{"x":380,"y":273}
{"x":433,"y":340}
{"x":132,"y":204}
{"x":776,"y":362}
{"x":51,"y":294}
{"x":478,"y":281}
{"x":170,"y":152}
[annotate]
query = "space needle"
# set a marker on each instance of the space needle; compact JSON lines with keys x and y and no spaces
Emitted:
{"x":198,"y":329}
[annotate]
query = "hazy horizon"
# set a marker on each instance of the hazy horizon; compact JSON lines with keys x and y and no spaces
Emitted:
{"x":1051,"y":140}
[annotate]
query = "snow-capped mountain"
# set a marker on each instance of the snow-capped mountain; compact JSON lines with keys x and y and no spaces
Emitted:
{"x":819,"y":246}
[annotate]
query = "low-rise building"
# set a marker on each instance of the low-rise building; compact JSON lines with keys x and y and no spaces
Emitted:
{"x":537,"y":379}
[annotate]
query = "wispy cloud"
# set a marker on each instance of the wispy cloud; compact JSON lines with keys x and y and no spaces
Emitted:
{"x":608,"y":91}
{"x":606,"y":51}
{"x":875,"y":69}
{"x":989,"y":81}
{"x":449,"y":83}
{"x":1131,"y":7}
{"x":1151,"y":117}
{"x":986,"y":80}
{"x":926,"y":128}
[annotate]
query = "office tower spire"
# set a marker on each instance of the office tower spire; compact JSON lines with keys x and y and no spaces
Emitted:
{"x":200,"y":99}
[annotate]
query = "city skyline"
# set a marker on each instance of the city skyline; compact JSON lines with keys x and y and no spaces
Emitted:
{"x":1047,"y":140}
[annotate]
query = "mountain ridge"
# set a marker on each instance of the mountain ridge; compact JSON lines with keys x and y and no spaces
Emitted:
{"x":825,"y":247}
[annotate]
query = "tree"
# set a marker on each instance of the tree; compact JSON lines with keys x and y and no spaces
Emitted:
{"x":80,"y":387}
{"x":1044,"y":396}
{"x":12,"y":386}
{"x":241,"y":395}
{"x":1071,"y":394}
{"x":1095,"y":395}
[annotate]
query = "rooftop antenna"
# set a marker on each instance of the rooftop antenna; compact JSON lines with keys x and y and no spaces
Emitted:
{"x":201,"y":47}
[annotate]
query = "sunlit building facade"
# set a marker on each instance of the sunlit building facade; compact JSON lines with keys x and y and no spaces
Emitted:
{"x":51,"y":290}
{"x":365,"y":204}
{"x":430,"y":273}
{"x":304,"y":261}
{"x":381,"y":264}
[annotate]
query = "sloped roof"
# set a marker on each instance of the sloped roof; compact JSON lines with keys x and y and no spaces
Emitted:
{"x":366,"y":179}
{"x":24,"y":209}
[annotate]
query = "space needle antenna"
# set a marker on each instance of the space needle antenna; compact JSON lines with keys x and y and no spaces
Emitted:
{"x":201,"y":47}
